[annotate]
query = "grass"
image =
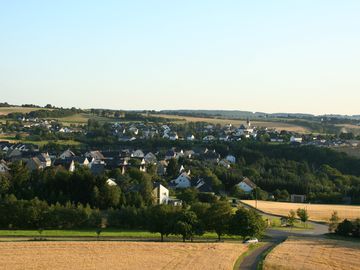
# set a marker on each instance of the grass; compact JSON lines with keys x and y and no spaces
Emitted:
{"x":251,"y":249}
{"x":12,"y":139}
{"x":317,"y":212}
{"x":298,"y":225}
{"x":115,"y":233}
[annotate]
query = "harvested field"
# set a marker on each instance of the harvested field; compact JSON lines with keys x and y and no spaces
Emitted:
{"x":317,"y":212}
{"x":118,"y":255}
{"x":275,"y":125}
{"x":314,"y":254}
{"x":7,"y":110}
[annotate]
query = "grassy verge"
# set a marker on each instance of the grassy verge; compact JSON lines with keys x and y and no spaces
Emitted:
{"x":106,"y":233}
{"x":298,"y":225}
{"x":343,"y":238}
{"x":250,"y":250}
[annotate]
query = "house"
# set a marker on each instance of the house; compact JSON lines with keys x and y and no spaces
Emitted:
{"x":209,"y":138}
{"x":183,"y":181}
{"x":34,"y":164}
{"x":67,"y":163}
{"x":13,"y":154}
{"x":173,"y":136}
{"x":83,"y":161}
{"x":160,"y":194}
{"x":67,"y":154}
{"x":297,"y":198}
{"x":98,"y":168}
{"x":96,"y":155}
{"x":161,"y":167}
{"x":44,"y":159}
{"x":3,"y":167}
{"x":170,"y":154}
{"x":246,"y":185}
{"x":231,"y":159}
{"x":150,"y":158}
{"x":190,"y":138}
{"x":111,"y":182}
{"x":203,"y":186}
{"x":294,"y":139}
{"x":138,"y":154}
{"x":225,"y":163}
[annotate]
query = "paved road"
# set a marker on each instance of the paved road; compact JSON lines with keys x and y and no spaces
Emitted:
{"x":278,"y":236}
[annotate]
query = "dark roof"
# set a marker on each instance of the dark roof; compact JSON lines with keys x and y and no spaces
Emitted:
{"x":98,"y":168}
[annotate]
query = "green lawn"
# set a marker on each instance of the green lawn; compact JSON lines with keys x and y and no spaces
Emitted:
{"x":106,"y":233}
{"x":298,"y":225}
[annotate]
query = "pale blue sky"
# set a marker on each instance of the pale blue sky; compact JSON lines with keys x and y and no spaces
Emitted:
{"x":273,"y":56}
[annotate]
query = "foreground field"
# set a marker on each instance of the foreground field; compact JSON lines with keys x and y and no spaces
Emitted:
{"x":317,"y":212}
{"x":274,"y":125}
{"x":314,"y":254}
{"x":118,"y":255}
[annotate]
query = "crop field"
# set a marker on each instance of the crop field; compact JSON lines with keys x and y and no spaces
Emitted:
{"x":314,"y":254}
{"x":7,"y":110}
{"x":275,"y":125}
{"x":118,"y":255}
{"x":317,"y":212}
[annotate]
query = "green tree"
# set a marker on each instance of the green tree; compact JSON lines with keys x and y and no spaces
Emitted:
{"x":218,"y":218}
{"x":345,"y":228}
{"x":161,"y":219}
{"x":247,"y":223}
{"x":334,"y":222}
{"x":187,"y":225}
{"x":291,"y":218}
{"x":303,"y":215}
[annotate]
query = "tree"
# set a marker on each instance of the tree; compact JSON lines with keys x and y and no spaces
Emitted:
{"x":247,"y":223}
{"x":291,"y":218}
{"x":303,"y":215}
{"x":187,"y":225}
{"x":218,"y":218}
{"x":345,"y":228}
{"x":161,"y":219}
{"x":173,"y":168}
{"x":334,"y":222}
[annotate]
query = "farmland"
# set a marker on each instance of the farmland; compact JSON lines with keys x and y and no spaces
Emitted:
{"x":118,"y":255}
{"x":269,"y":124}
{"x":7,"y":110}
{"x":317,"y":212}
{"x":311,"y":253}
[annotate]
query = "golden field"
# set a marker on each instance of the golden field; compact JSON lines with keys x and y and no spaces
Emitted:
{"x":314,"y":254}
{"x":118,"y":255}
{"x":275,"y":125}
{"x":7,"y":110}
{"x":317,"y":212}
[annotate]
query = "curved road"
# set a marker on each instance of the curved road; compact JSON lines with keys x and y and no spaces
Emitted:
{"x":277,"y":236}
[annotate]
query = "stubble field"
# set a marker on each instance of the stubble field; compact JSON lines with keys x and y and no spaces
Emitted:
{"x":118,"y":255}
{"x":317,"y":212}
{"x":314,"y":254}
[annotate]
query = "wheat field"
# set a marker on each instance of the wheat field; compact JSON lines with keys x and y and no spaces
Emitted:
{"x":118,"y":255}
{"x":317,"y":212}
{"x":314,"y":254}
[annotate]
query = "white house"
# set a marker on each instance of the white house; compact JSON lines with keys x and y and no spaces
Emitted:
{"x":111,"y":182}
{"x":294,"y":139}
{"x":67,"y":154}
{"x":231,"y":159}
{"x":138,"y":154}
{"x":150,"y":158}
{"x":183,"y":181}
{"x":246,"y":185}
{"x":190,"y":138}
{"x":209,"y":138}
{"x":160,"y":194}
{"x":3,"y":167}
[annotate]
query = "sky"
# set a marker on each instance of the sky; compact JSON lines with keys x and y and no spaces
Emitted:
{"x":268,"y":56}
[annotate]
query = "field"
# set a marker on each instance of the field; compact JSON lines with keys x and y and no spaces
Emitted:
{"x":7,"y":110}
{"x":314,"y":254}
{"x":317,"y":212}
{"x":118,"y":255}
{"x":269,"y":124}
